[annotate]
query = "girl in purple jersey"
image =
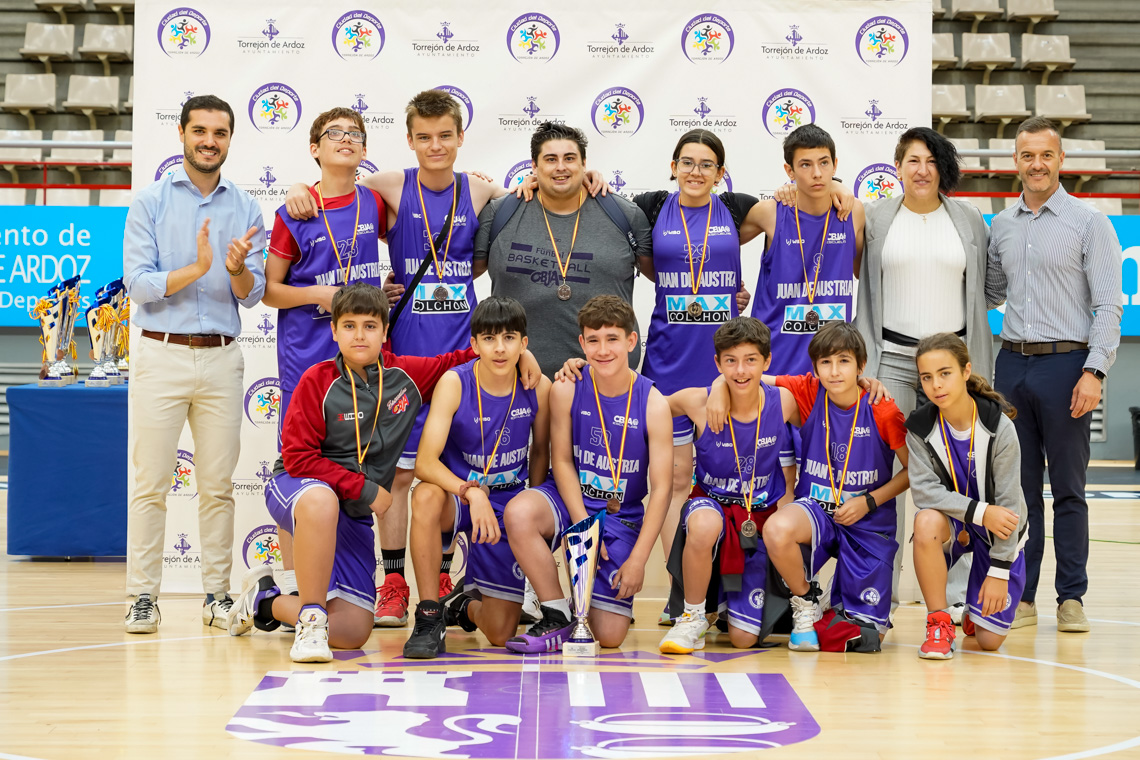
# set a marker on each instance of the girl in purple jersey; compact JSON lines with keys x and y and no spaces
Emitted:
{"x":965,"y":465}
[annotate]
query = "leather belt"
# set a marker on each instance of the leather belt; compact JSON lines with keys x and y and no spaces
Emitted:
{"x":1040,"y":349}
{"x":193,"y":341}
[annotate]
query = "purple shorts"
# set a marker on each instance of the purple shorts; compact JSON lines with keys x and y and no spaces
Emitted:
{"x":618,"y":535}
{"x":491,"y":568}
{"x":354,"y":562}
{"x":999,"y":622}
{"x":408,"y":455}
{"x":864,"y":564}
{"x":683,"y":430}
{"x":745,"y":608}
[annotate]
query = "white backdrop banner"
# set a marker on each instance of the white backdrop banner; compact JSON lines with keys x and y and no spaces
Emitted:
{"x":634,"y":77}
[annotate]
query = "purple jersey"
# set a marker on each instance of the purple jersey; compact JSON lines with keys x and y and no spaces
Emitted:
{"x":427,"y":325}
{"x":962,"y":459}
{"x":467,"y":449}
{"x":781,"y":299}
{"x":679,"y":351}
{"x":871,"y":460}
{"x":590,"y":456}
{"x":303,"y":334}
{"x":717,"y":472}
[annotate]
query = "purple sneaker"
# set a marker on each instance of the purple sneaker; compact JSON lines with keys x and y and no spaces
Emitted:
{"x":547,"y":635}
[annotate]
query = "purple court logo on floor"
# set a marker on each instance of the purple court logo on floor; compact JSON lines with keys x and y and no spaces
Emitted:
{"x":357,"y":36}
{"x":168,"y":166}
{"x":464,"y":100}
{"x":182,"y":482}
{"x":581,"y":714}
{"x":533,"y":37}
{"x":263,"y":402}
{"x":707,"y":38}
{"x":876,"y":182}
{"x":618,"y":111}
{"x":261,"y":547}
{"x":882,"y":40}
{"x":183,"y":32}
{"x":786,"y":109}
{"x":274,"y":107}
{"x":517,"y":173}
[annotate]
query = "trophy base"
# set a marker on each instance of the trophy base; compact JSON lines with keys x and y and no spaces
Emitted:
{"x":581,"y":649}
{"x":98,"y":382}
{"x":51,"y":382}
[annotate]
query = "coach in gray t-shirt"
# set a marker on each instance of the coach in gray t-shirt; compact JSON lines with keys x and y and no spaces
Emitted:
{"x":559,"y":251}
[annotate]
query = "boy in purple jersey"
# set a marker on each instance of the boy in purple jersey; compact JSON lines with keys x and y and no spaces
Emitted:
{"x":610,"y":446}
{"x":743,"y":473}
{"x":811,"y":255}
{"x":472,"y":460}
{"x":966,"y":482}
{"x":845,"y":495}
{"x":310,"y":260}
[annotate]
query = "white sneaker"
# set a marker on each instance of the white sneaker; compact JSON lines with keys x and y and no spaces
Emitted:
{"x":531,"y":613}
{"x":956,"y":611}
{"x":242,"y":612}
{"x":143,"y":615}
{"x":806,"y":613}
{"x":687,"y":634}
{"x":311,"y":642}
{"x":214,"y":613}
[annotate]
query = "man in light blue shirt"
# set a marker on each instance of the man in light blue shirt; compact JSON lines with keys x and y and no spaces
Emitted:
{"x":188,"y":366}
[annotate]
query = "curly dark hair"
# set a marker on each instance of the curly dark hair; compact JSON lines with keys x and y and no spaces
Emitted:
{"x":945,"y":155}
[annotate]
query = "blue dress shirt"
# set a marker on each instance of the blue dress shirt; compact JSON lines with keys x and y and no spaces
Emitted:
{"x":162,"y":236}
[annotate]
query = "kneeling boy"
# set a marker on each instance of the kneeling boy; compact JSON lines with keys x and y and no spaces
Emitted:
{"x":472,"y":460}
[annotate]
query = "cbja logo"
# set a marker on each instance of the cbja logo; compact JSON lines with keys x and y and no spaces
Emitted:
{"x":533,"y":37}
{"x":274,"y":107}
{"x":517,"y":173}
{"x":876,"y":182}
{"x":756,"y":598}
{"x":168,"y":167}
{"x":183,"y":32}
{"x":358,"y":35}
{"x":182,"y":482}
{"x":263,"y":401}
{"x":870,"y":596}
{"x":882,"y":40}
{"x":464,"y":100}
{"x":786,"y":109}
{"x":618,"y":111}
{"x":707,"y":38}
{"x":261,"y":547}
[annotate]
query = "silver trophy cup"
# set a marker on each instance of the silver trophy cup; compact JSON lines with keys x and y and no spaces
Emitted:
{"x":582,"y":543}
{"x":103,"y":327}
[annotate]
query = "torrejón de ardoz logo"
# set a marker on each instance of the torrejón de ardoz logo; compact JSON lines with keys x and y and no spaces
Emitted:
{"x":448,"y":41}
{"x":358,"y":36}
{"x":618,"y":111}
{"x":275,"y":107}
{"x":798,"y":43}
{"x":168,"y":166}
{"x":623,"y":43}
{"x":876,"y":182}
{"x":702,"y":114}
{"x":464,"y":100}
{"x":882,"y":40}
{"x":533,"y":37}
{"x":785,"y":109}
{"x":874,"y":119}
{"x":707,"y":38}
{"x":270,"y":38}
{"x":183,"y":33}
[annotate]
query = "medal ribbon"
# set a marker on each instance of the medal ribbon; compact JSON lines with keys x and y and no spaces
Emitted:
{"x":482,"y":441}
{"x":562,"y":268}
{"x":811,"y":286}
{"x":950,"y":454}
{"x":838,"y":495}
{"x":616,"y":473}
{"x":695,"y":282}
{"x":755,"y":456}
{"x":427,"y":225}
{"x":356,"y":414}
{"x":355,"y":229}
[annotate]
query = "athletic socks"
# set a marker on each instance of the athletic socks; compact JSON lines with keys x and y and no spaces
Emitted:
{"x":393,"y":560}
{"x":445,"y":565}
{"x":695,"y":610}
{"x":287,"y":581}
{"x":562,"y":605}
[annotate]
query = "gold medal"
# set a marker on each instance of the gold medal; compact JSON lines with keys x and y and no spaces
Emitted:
{"x":810,"y":285}
{"x":748,"y":528}
{"x":613,"y":506}
{"x":440,"y":293}
{"x":748,"y":525}
{"x":812,"y":319}
{"x":613,"y":503}
{"x":564,"y":292}
{"x":695,"y":309}
{"x":695,"y":278}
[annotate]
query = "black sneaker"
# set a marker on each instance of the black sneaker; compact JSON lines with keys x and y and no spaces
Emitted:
{"x":429,"y":634}
{"x":455,"y":611}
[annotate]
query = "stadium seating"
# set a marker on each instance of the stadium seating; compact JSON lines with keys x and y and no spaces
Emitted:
{"x":948,"y":104}
{"x":1002,"y":104}
{"x":62,"y":7}
{"x":1064,"y":104}
{"x":118,"y":7}
{"x":49,"y":42}
{"x":129,"y":105}
{"x":1033,"y":11}
{"x":114,"y":197}
{"x":122,"y":154}
{"x":942,"y":51}
{"x":29,"y":94}
{"x":1002,"y":163}
{"x":985,"y":205}
{"x":937,"y":9}
{"x":13,"y":196}
{"x":76,"y":154}
{"x":19,"y":154}
{"x":986,"y":51}
{"x":92,"y":96}
{"x":1045,"y":52}
{"x":63,"y":196}
{"x":977,"y":10}
{"x":968,"y":143}
{"x":107,"y":43}
{"x":1109,"y":206}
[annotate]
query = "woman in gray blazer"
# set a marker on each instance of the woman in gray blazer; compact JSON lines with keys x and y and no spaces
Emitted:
{"x":923,"y":269}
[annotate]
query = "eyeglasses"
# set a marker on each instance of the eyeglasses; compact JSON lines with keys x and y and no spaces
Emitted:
{"x":337,"y":135}
{"x":688,"y":165}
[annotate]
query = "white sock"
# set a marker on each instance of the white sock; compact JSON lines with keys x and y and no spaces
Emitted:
{"x":286,"y":581}
{"x":562,"y":605}
{"x":695,"y":610}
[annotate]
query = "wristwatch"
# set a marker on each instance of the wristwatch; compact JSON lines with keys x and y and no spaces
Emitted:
{"x":1096,"y":373}
{"x":871,"y":503}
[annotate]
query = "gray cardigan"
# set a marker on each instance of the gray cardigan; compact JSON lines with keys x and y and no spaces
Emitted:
{"x":869,"y":316}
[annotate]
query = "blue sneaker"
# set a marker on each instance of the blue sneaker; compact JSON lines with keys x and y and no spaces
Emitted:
{"x":805,"y":613}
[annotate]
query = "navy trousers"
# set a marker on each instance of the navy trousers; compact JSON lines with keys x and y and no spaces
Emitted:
{"x":1041,"y":387}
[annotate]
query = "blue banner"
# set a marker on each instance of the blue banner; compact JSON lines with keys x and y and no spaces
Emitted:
{"x":1128,"y":230}
{"x":42,"y":245}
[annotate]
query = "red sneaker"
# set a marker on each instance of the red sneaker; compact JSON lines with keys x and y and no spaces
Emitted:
{"x":446,"y":586}
{"x":967,"y":624}
{"x":392,"y":602}
{"x":939,"y":644}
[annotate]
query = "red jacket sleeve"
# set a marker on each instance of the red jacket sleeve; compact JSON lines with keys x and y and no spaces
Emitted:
{"x":426,"y":371}
{"x":804,"y":389}
{"x":891,"y":423}
{"x":304,"y":432}
{"x":281,"y":242}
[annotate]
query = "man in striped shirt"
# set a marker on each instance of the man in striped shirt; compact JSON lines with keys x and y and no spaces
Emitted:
{"x":1056,"y":263}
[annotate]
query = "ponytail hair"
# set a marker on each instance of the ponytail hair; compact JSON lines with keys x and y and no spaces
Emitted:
{"x":975,"y":384}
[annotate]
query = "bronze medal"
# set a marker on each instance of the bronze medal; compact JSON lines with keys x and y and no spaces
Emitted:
{"x":613,"y":505}
{"x":440,"y":293}
{"x":812,"y":319}
{"x":564,"y":292}
{"x":748,"y":528}
{"x":695,"y":309}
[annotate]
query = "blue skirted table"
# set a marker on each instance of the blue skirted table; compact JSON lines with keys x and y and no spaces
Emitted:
{"x":67,"y":471}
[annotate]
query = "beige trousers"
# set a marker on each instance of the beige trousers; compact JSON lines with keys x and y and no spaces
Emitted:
{"x":170,"y":385}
